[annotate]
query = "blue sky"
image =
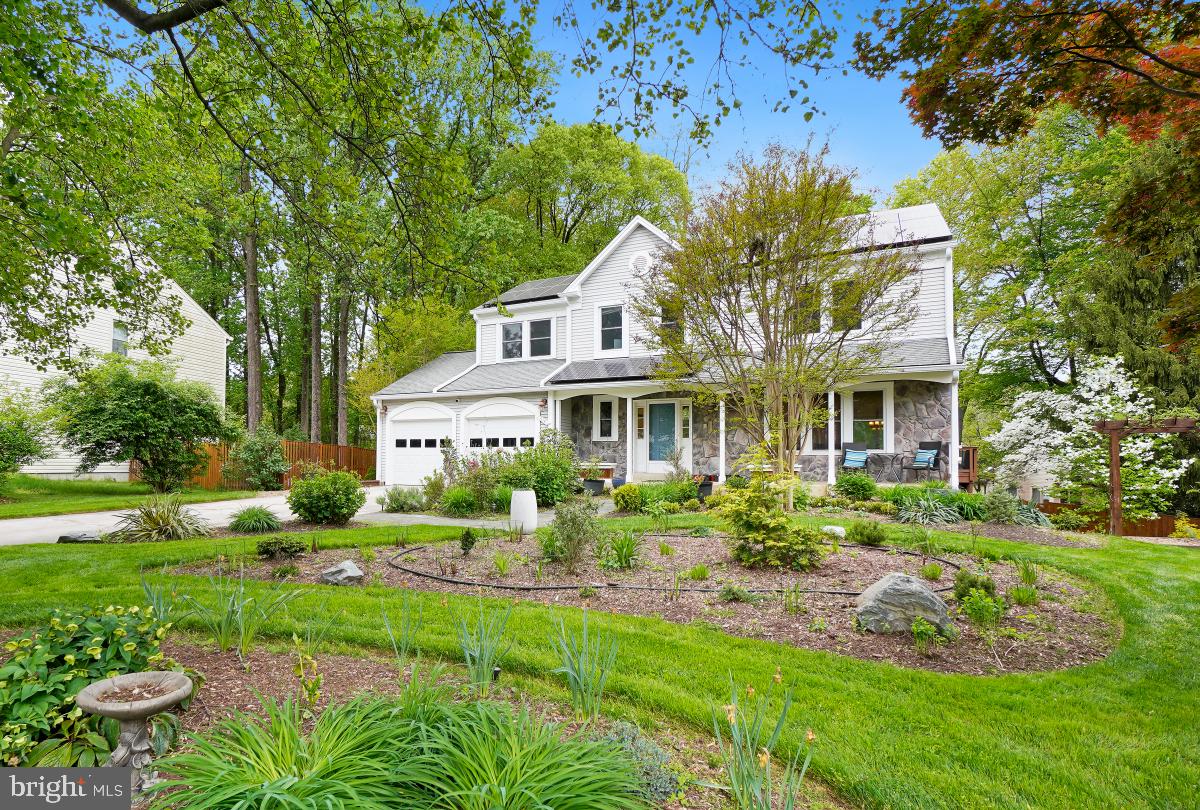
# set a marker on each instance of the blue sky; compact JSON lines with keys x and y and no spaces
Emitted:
{"x":864,"y":121}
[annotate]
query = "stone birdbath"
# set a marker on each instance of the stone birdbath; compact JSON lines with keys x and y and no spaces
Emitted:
{"x":132,"y":699}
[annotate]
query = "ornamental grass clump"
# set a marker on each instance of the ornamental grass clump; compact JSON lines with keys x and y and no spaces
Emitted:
{"x":747,"y":742}
{"x":158,"y":518}
{"x":254,"y":520}
{"x":482,"y":644}
{"x":586,"y":660}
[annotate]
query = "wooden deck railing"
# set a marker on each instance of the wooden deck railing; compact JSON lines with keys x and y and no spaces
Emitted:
{"x":214,"y":475}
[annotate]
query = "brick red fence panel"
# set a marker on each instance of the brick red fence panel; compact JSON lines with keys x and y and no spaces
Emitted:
{"x":214,"y":475}
{"x":1160,"y":526}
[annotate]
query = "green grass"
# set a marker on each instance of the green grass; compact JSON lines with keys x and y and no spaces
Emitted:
{"x":28,"y":496}
{"x":1118,"y":733}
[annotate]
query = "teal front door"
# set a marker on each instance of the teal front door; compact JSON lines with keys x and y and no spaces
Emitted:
{"x":662,"y":431}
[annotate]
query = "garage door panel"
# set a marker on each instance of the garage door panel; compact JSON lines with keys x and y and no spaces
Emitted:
{"x":415,"y":447}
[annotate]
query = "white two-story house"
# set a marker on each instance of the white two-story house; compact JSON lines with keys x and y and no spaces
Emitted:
{"x":567,"y":353}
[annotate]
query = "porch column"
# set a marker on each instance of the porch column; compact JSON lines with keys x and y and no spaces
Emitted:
{"x":721,"y":441}
{"x":954,"y":440}
{"x":830,"y":442}
{"x":629,"y":437}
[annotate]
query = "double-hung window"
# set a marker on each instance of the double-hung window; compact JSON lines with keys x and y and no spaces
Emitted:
{"x":539,"y":338}
{"x":612,"y":328}
{"x":120,"y":339}
{"x":604,"y":419}
{"x":868,"y":419}
{"x":512,"y":339}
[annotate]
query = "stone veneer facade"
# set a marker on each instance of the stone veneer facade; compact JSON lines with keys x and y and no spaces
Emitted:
{"x":921,"y":410}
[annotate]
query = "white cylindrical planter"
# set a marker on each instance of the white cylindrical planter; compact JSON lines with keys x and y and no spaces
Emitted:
{"x":523,"y":512}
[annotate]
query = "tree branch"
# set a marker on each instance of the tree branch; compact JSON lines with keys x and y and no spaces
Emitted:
{"x":163,"y":20}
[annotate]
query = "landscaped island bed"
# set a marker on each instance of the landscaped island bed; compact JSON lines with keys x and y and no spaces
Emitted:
{"x":697,"y":582}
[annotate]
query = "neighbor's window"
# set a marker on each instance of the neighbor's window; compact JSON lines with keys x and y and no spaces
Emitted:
{"x":808,"y":308}
{"x":820,"y":433}
{"x":605,"y":427}
{"x":847,"y":312}
{"x":669,"y":319}
{"x":612,"y":329}
{"x":539,"y":338}
{"x":120,"y":339}
{"x":868,"y":419}
{"x":511,"y":339}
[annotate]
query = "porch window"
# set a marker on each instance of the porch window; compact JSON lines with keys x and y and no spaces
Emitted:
{"x":612,"y":329}
{"x":511,"y":339}
{"x":685,"y":421}
{"x":820,"y":433}
{"x":604,"y":419}
{"x":539,"y":338}
{"x":868,"y":419}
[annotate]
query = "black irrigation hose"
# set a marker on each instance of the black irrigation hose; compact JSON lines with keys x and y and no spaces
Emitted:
{"x":619,"y":586}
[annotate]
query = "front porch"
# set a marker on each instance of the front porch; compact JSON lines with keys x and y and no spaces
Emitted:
{"x":635,"y":430}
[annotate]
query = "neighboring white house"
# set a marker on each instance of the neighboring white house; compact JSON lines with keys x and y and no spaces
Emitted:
{"x":198,"y":355}
{"x":570,"y":355}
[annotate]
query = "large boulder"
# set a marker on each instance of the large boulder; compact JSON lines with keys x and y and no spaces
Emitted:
{"x":834,"y":531}
{"x":344,"y":573}
{"x":891,"y":604}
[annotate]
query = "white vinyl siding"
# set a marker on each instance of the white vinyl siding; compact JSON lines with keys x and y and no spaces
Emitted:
{"x":614,"y":280}
{"x":487,"y":343}
{"x":928,"y":288}
{"x":198,"y":355}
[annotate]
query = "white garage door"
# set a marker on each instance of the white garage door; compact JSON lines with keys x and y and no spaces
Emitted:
{"x":500,"y":425}
{"x":416,"y":438}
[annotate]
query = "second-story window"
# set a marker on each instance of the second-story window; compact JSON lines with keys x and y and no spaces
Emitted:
{"x":120,"y":339}
{"x":539,"y":338}
{"x":511,"y":338}
{"x":612,"y":329}
{"x":846,"y":312}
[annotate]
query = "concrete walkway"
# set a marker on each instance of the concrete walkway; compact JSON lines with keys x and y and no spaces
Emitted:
{"x":15,"y":531}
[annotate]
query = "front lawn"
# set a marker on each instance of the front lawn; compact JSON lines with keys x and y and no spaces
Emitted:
{"x":29,"y":496}
{"x":1118,"y":733}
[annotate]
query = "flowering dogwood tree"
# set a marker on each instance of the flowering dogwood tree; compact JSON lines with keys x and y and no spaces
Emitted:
{"x":1050,"y":433}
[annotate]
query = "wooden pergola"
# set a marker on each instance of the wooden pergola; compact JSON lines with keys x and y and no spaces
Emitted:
{"x":1117,"y":429}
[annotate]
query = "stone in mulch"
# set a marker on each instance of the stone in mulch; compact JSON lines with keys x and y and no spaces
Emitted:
{"x":344,"y":573}
{"x":891,"y":604}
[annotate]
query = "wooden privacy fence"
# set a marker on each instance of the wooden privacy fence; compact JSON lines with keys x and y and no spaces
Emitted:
{"x":213,"y":474}
{"x":1160,"y":526}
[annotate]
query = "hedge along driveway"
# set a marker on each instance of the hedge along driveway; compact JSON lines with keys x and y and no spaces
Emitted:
{"x":1121,"y":732}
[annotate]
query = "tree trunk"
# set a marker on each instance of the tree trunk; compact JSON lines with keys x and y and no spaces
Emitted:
{"x":341,"y":362}
{"x":315,"y":367}
{"x":304,"y":390}
{"x":254,"y":405}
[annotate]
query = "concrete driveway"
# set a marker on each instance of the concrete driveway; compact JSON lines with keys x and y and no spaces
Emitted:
{"x":15,"y":531}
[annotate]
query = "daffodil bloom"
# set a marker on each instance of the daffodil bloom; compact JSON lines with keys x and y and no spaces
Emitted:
{"x":731,"y":713}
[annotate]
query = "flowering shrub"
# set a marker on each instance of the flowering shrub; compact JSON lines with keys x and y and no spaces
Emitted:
{"x":327,"y":496}
{"x":51,"y":665}
{"x":1050,"y":433}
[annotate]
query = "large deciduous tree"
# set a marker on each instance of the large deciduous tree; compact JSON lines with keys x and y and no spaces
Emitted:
{"x":1025,"y":216}
{"x":775,"y":296}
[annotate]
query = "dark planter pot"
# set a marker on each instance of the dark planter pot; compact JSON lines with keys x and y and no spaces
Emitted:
{"x":705,"y":489}
{"x":593,"y":486}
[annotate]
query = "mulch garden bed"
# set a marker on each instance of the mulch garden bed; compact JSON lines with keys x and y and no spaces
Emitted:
{"x":1061,"y":631}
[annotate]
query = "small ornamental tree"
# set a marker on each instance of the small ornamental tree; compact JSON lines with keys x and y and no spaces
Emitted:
{"x":22,"y":435}
{"x":776,"y":295}
{"x":126,"y":410}
{"x":1051,"y":433}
